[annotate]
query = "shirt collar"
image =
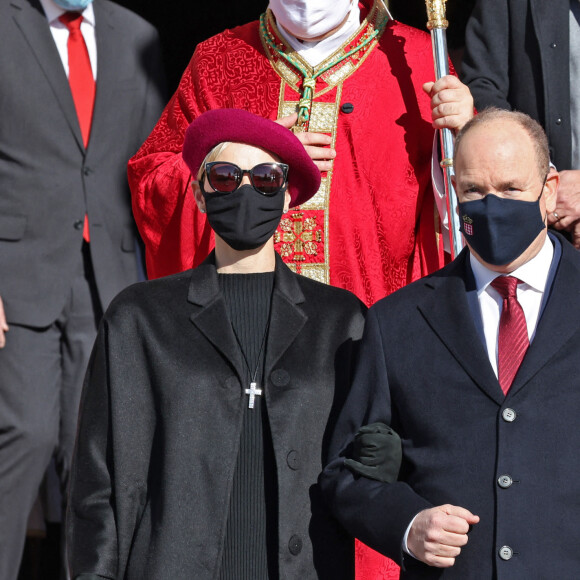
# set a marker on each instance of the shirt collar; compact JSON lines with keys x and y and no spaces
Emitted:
{"x":534,"y":272}
{"x":53,"y":12}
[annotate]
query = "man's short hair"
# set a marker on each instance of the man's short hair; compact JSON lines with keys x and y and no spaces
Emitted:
{"x":532,"y":128}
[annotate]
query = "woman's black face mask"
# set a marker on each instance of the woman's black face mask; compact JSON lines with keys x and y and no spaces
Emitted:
{"x":245,"y":218}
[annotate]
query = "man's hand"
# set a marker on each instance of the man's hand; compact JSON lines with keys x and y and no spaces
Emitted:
{"x":566,"y":216}
{"x":316,"y":144}
{"x":3,"y":325}
{"x":451,"y":103}
{"x":437,"y":534}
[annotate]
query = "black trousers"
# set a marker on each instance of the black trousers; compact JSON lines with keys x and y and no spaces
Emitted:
{"x":41,"y":376}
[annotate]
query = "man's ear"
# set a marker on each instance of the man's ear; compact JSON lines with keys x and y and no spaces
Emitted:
{"x":551,"y":190}
{"x":198,"y":196}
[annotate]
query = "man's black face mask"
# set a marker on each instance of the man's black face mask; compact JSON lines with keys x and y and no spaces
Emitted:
{"x":501,"y":229}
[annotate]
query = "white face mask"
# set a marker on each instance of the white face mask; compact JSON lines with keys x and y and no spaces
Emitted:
{"x":306,"y":19}
{"x":76,"y":5}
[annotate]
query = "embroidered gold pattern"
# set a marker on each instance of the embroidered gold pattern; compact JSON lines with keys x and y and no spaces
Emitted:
{"x":333,"y":77}
{"x":286,"y":72}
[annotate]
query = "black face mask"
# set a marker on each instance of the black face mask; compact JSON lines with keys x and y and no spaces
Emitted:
{"x":245,"y":219}
{"x":500,"y":229}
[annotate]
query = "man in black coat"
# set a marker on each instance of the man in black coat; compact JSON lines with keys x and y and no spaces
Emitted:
{"x":54,"y":178}
{"x":525,"y":55}
{"x":490,"y":470}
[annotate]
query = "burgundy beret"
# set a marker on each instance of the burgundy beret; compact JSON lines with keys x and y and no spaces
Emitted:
{"x":239,"y":126}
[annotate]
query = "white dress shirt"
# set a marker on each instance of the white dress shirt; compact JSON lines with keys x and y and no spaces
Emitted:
{"x":60,"y":32}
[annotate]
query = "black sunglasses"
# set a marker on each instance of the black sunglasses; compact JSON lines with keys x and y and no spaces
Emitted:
{"x":267,"y":178}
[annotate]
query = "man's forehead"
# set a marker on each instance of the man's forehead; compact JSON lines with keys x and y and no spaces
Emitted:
{"x":502,"y":142}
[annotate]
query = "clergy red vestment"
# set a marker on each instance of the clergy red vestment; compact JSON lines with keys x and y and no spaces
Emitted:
{"x":373,"y":226}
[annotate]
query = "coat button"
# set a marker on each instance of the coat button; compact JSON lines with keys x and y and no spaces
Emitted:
{"x":506,"y":553}
{"x":78,"y":225}
{"x":280,"y":378}
{"x":553,"y":45}
{"x":559,"y":121}
{"x":87,"y":170}
{"x":504,"y":481}
{"x":347,"y":108}
{"x":232,"y":383}
{"x":508,"y":415}
{"x":292,"y":460}
{"x":295,"y":545}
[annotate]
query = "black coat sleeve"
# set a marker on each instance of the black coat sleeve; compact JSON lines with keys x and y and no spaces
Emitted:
{"x":111,"y":462}
{"x":375,"y":512}
{"x":91,"y":529}
{"x":485,"y":67}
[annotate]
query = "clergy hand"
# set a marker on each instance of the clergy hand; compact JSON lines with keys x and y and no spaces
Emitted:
{"x":3,"y":325}
{"x":566,"y":216}
{"x":317,"y":145}
{"x":451,"y":103}
{"x":437,"y":534}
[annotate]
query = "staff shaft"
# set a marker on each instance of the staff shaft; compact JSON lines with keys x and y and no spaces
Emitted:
{"x":437,"y":24}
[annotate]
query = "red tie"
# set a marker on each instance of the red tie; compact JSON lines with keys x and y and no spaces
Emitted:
{"x":513,"y":332}
{"x":81,"y":80}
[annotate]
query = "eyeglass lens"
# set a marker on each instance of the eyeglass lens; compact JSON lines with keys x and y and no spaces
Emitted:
{"x":267,"y":178}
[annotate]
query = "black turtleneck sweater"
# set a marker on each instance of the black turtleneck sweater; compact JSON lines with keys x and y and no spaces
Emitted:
{"x":251,"y":539}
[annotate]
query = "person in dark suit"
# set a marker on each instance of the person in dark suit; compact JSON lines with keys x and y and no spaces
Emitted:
{"x":525,"y":55}
{"x":67,"y":237}
{"x":482,"y":389}
{"x":210,"y":393}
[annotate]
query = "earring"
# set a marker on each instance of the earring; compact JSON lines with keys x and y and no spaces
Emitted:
{"x":202,"y":210}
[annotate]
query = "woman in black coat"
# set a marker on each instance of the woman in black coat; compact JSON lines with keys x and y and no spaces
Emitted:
{"x":210,"y":394}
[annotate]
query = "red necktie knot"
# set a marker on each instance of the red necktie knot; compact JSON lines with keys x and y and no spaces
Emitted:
{"x":506,"y":286}
{"x":72,"y":20}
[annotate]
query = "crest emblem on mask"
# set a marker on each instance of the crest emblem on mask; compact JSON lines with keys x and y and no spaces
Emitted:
{"x":467,"y":225}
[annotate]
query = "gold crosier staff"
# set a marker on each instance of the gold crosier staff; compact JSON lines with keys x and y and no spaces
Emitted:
{"x":437,"y":24}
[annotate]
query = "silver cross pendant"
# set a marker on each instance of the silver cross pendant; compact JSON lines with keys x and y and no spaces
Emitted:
{"x":253,"y":391}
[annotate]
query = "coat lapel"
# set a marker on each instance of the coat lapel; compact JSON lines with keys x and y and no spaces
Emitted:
{"x":31,"y":20}
{"x":286,"y":319}
{"x":559,"y":322}
{"x":210,"y":314}
{"x":447,"y":313}
{"x":107,"y":74}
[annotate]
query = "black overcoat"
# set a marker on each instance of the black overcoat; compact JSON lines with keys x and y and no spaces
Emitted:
{"x":160,"y":426}
{"x":513,"y":460}
{"x":517,"y":56}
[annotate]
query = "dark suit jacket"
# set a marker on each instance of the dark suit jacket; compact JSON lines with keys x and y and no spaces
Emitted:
{"x":160,"y":426}
{"x":48,"y":181}
{"x":424,"y":370}
{"x":517,"y":57}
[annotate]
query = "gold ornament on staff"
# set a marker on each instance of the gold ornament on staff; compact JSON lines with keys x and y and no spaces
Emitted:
{"x":437,"y":24}
{"x":436,"y":14}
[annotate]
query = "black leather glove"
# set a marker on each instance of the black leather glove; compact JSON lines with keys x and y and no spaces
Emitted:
{"x":376,"y":453}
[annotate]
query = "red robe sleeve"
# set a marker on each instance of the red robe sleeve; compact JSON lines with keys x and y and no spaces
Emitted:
{"x":163,"y":202}
{"x":221,"y":73}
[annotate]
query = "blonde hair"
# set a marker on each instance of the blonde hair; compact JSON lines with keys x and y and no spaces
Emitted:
{"x":211,"y":156}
